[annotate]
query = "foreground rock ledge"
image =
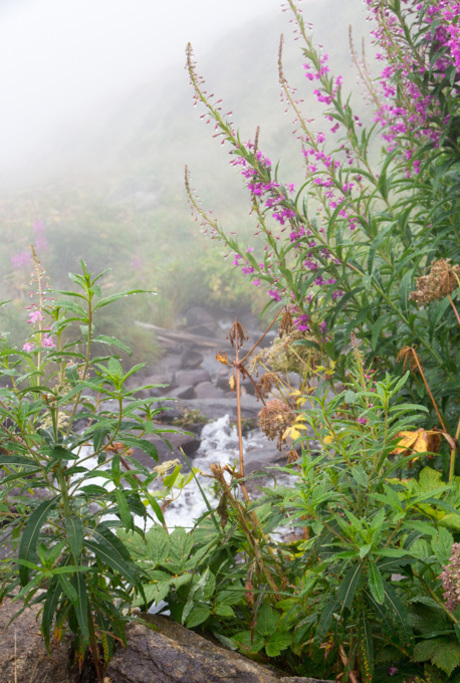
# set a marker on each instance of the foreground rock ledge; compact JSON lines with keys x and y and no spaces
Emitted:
{"x":23,"y":655}
{"x":169,"y":653}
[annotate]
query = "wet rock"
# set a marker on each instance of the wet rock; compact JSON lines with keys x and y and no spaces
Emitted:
{"x":193,"y":377}
{"x":256,"y":460}
{"x":186,"y":391}
{"x":168,"y":653}
{"x":190,"y":359}
{"x":207,"y":390}
{"x":214,"y":408}
{"x":200,"y":321}
{"x":189,"y":443}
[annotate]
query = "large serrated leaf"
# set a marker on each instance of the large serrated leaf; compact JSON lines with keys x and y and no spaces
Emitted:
{"x":158,"y":543}
{"x":442,"y":652}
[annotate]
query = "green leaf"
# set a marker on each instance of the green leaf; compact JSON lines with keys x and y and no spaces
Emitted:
{"x":49,"y":609}
{"x":158,"y":542}
{"x":347,"y":589}
{"x":442,"y":652}
{"x":123,"y":509}
{"x":198,"y":615}
{"x":12,"y":459}
{"x":442,"y":545}
{"x":365,"y":649}
{"x":247,"y":643}
{"x":277,"y":643}
{"x":81,"y":607}
{"x":155,"y":506}
{"x":112,"y":341}
{"x":105,"y":554}
{"x":74,"y":529}
{"x":116,"y":297}
{"x":68,"y":589}
{"x":99,"y":437}
{"x":375,"y":581}
{"x":224,"y":611}
{"x":267,"y":621}
{"x":31,"y":533}
{"x":144,"y":445}
{"x":399,"y":616}
{"x":376,"y":330}
{"x":332,"y":607}
{"x":106,"y":537}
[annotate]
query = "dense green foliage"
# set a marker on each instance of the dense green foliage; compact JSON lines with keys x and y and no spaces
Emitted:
{"x":67,"y":433}
{"x":351,"y":570}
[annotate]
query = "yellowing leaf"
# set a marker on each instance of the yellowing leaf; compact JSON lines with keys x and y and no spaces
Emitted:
{"x":418,"y":441}
{"x":295,"y":431}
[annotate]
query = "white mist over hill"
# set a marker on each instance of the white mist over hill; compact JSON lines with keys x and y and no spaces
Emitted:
{"x":60,"y":61}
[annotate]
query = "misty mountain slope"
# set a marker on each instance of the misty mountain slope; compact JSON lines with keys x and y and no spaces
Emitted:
{"x":117,"y":197}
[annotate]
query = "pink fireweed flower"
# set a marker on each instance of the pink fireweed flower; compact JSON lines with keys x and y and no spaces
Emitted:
{"x":28,"y":346}
{"x":47,"y":342}
{"x":20,"y":260}
{"x":35,"y":317}
{"x":276,"y":296}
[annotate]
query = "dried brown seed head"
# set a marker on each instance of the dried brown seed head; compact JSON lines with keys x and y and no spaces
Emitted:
{"x":285,"y":324}
{"x":274,"y":418}
{"x":267,"y":382}
{"x":237,"y":334}
{"x":441,"y":281}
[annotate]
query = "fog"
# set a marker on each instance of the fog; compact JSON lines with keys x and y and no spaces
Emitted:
{"x":60,"y":60}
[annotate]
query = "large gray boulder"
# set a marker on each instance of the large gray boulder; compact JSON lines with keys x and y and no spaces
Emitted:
{"x":165,"y":652}
{"x":23,"y":655}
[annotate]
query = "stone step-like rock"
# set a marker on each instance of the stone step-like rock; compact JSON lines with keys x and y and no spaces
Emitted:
{"x":169,"y":653}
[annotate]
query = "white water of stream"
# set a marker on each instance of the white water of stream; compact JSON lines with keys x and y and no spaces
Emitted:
{"x":219,"y":444}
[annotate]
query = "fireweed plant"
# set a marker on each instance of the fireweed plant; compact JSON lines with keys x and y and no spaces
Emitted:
{"x":364,"y":255}
{"x":70,"y":480}
{"x":379,"y":202}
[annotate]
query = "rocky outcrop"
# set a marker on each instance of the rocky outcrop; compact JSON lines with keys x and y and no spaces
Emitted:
{"x":165,"y":652}
{"x":23,"y":655}
{"x":159,"y":652}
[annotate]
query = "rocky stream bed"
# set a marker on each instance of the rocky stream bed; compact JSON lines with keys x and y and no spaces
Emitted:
{"x":199,"y":401}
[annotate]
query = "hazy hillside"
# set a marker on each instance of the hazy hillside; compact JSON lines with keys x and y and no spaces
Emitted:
{"x":114,"y":194}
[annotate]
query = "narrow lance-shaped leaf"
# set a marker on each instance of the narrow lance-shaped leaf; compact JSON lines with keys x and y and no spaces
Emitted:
{"x":347,"y":588}
{"x":31,"y":533}
{"x":74,"y":529}
{"x":81,"y":606}
{"x":365,"y":649}
{"x":127,"y":569}
{"x":49,"y":609}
